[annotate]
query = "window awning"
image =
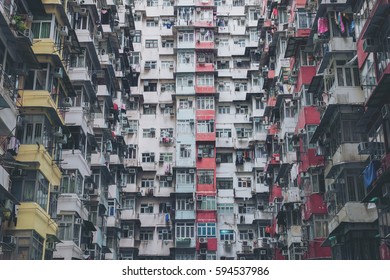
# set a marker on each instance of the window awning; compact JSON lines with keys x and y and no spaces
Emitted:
{"x":52,"y":238}
{"x":6,"y":194}
{"x":89,"y":225}
{"x":316,"y":84}
{"x":292,"y":45}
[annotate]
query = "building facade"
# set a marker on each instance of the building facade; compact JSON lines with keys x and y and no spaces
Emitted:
{"x":194,"y":129}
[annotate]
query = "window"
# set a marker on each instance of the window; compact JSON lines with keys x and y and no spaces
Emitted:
{"x":185,"y":58}
{"x":238,"y":3}
{"x":224,"y":133}
{"x":168,"y":87}
{"x":242,"y":109}
{"x":224,"y":109}
{"x":152,"y":23}
{"x":111,"y":208}
{"x":244,"y":182}
{"x":185,"y":150}
{"x":240,"y":86}
{"x":127,"y":231}
{"x":167,"y":44}
{"x":225,"y":208}
{"x":166,"y":157}
{"x":224,"y":183}
{"x":246,"y":208}
{"x":166,"y":65}
{"x":304,"y":19}
{"x":185,"y":204}
{"x":206,"y":203}
{"x":149,"y":86}
{"x":185,"y":81}
{"x":146,"y":235}
{"x":206,"y":230}
{"x":185,"y":103}
{"x":207,"y":151}
{"x":185,"y":230}
{"x":147,"y":157}
{"x":246,"y":234}
{"x":41,"y":26}
{"x":147,"y":208}
{"x":259,"y":104}
{"x":226,"y":235}
{"x":150,"y":109}
{"x":184,"y":177}
{"x":225,"y":157}
{"x":205,"y":126}
{"x":205,"y":177}
{"x":164,"y":234}
{"x":205,"y":80}
{"x":347,"y":76}
{"x":150,"y":64}
{"x":244,"y":132}
{"x":152,"y":3}
{"x":128,"y":203}
{"x":167,"y":3}
{"x":205,"y":103}
{"x":184,"y":127}
{"x":350,"y":133}
{"x":320,"y":226}
{"x":165,"y":207}
{"x":148,"y":133}
{"x":147,"y":183}
{"x":186,"y":37}
{"x":137,"y":36}
{"x":151,"y":43}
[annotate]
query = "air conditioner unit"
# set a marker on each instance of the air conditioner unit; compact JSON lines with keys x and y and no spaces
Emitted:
{"x":131,"y":99}
{"x":68,"y":102}
{"x":202,"y":240}
{"x":171,"y":67}
{"x":245,"y":243}
{"x":228,"y":242}
{"x":284,"y":252}
{"x":199,"y":198}
{"x":58,"y":72}
{"x":64,"y":31}
{"x":156,"y":19}
{"x":242,"y":258}
{"x":9,"y":239}
{"x":264,"y":99}
{"x":202,"y":31}
{"x":132,"y":170}
{"x":218,"y":160}
{"x":83,"y":11}
{"x":203,"y":251}
{"x":198,"y":10}
{"x":169,"y":178}
{"x":78,"y":221}
{"x":263,"y":252}
{"x":191,"y":171}
{"x":385,"y":111}
{"x":271,"y":204}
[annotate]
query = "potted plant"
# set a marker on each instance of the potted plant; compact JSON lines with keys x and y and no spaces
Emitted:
{"x":18,"y":23}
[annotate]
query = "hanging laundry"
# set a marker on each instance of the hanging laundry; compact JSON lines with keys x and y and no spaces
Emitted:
{"x":323,"y":25}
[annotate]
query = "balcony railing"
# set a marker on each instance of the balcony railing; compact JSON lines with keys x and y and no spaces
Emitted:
{"x":7,"y":83}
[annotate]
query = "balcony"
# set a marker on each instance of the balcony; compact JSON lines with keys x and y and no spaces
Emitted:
{"x":348,"y":214}
{"x":207,"y":136}
{"x":245,"y":219}
{"x":129,"y":215}
{"x":345,"y":153}
{"x":185,"y":188}
{"x":100,"y":121}
{"x":75,"y":159}
{"x":32,"y":217}
{"x":185,"y":44}
{"x":76,"y":116}
{"x":185,"y":242}
{"x":37,"y":154}
{"x":205,"y":45}
{"x":34,"y":99}
{"x":68,"y":250}
{"x":127,"y":243}
{"x":116,"y":159}
{"x":294,"y":235}
{"x":70,"y":202}
{"x":204,"y":67}
{"x":152,"y":220}
{"x":155,"y":248}
{"x":205,"y":89}
{"x":113,"y":222}
{"x":185,"y":215}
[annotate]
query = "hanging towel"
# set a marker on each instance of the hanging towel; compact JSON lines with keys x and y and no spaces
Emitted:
{"x":323,"y":25}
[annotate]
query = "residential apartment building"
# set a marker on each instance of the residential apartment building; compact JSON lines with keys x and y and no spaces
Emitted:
{"x":194,"y":129}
